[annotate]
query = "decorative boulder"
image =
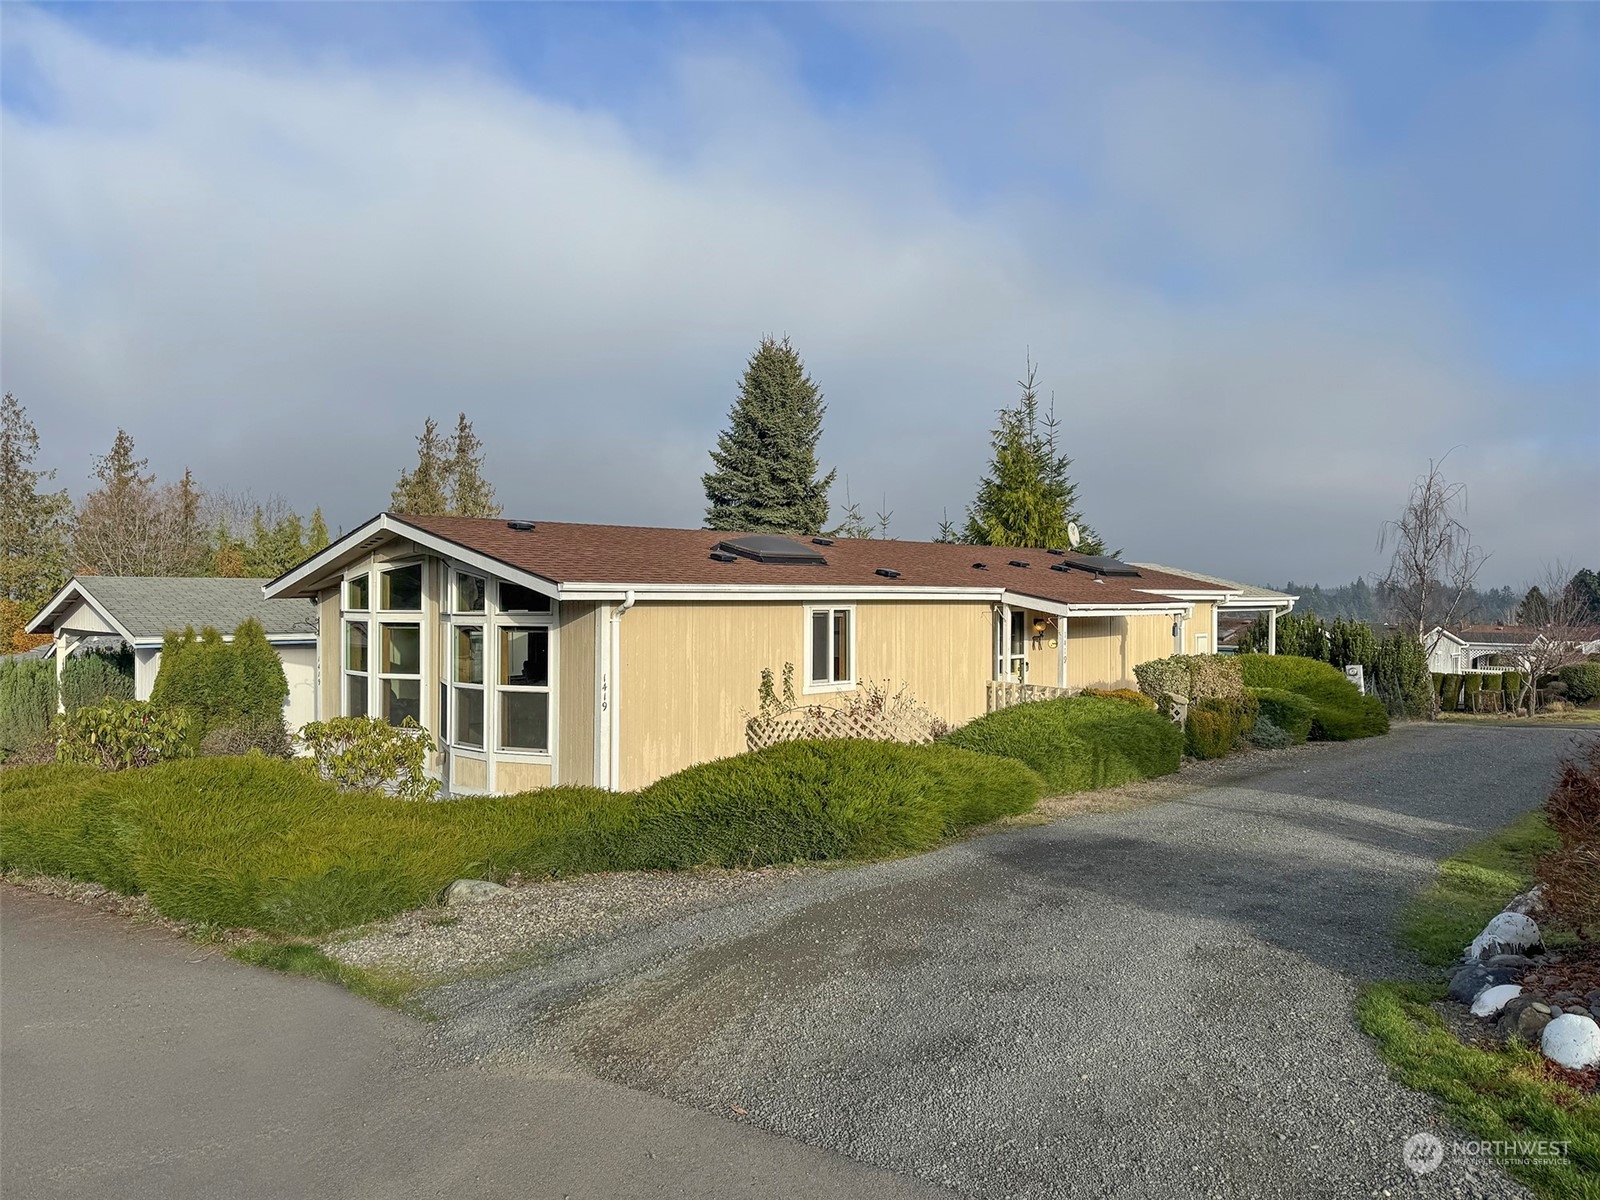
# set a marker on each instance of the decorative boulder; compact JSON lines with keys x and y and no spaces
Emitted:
{"x":472,"y":891}
{"x":1491,"y":1000}
{"x":1473,"y":977}
{"x":1524,"y":1018}
{"x":1529,"y":903}
{"x":1508,"y":933}
{"x":1572,"y":1040}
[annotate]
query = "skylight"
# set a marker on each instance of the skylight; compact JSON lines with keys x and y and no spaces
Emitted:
{"x":773,"y":548}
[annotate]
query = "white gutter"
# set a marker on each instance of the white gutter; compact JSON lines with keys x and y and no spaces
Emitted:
{"x":614,"y":767}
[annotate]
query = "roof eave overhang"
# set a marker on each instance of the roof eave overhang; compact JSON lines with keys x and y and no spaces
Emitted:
{"x":70,"y":593}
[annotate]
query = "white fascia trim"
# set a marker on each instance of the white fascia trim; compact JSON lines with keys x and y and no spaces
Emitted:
{"x":273,"y":639}
{"x":1034,"y":604}
{"x":39,"y":624}
{"x":323,"y":563}
{"x":1214,"y":596}
{"x":615,"y":593}
{"x":1248,"y":604}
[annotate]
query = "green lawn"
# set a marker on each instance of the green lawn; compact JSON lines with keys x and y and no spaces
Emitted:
{"x":1490,"y":1094}
{"x":1574,"y":716}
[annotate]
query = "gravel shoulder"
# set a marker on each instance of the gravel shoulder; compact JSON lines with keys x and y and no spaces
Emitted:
{"x":1146,"y":1002}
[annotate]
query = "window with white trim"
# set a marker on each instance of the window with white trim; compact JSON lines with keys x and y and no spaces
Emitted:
{"x":830,"y":649}
{"x":468,"y":686}
{"x":400,"y":589}
{"x":355,"y":668}
{"x":400,"y":671}
{"x":522,"y":692}
{"x":516,"y":598}
{"x":470,"y":590}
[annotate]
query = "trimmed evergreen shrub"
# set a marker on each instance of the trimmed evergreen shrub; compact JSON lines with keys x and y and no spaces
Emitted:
{"x":1341,"y":711}
{"x":264,"y":843}
{"x":1471,"y":685}
{"x":27,"y":703}
{"x":1582,"y":680}
{"x":1450,"y":693}
{"x":1078,"y":743}
{"x":1267,"y":736}
{"x":1399,"y":676}
{"x":1215,"y":723}
{"x":221,"y":684}
{"x":1128,"y":694}
{"x":91,"y":679}
{"x":1290,"y":711}
{"x":1190,"y":675}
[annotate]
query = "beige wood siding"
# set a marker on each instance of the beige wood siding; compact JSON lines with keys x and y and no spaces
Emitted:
{"x":690,"y":673}
{"x":1094,"y":652}
{"x":1149,"y":637}
{"x":512,"y":777}
{"x":1200,"y":626}
{"x":1043,"y":666}
{"x":575,"y":687}
{"x":328,"y":649}
{"x":468,"y":774}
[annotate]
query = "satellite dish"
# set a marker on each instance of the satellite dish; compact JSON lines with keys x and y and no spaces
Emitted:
{"x":1073,"y":536}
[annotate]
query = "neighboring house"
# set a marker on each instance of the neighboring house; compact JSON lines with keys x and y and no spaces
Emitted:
{"x":552,"y":653}
{"x":102,"y":611}
{"x":1476,"y":647}
{"x":1238,"y":612}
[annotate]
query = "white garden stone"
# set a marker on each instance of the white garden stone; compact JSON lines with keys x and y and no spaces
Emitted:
{"x":1573,"y":1040}
{"x":1492,"y":999}
{"x":1509,"y":932}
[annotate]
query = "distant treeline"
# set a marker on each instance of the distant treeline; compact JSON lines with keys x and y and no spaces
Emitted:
{"x":1361,"y":601}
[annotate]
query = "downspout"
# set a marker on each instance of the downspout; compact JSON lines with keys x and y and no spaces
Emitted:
{"x":614,"y":767}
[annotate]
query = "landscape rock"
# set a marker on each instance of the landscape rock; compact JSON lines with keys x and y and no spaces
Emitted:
{"x":1472,"y":978}
{"x":1491,"y":1000}
{"x":1508,"y":933}
{"x":1529,"y":904}
{"x":1516,"y":962}
{"x":1572,"y":1040}
{"x":1524,"y":1017}
{"x":473,"y":891}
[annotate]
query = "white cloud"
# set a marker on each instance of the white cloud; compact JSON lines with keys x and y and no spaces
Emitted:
{"x":271,"y":272}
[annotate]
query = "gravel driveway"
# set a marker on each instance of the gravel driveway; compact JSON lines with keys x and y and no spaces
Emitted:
{"x":1145,"y":1003}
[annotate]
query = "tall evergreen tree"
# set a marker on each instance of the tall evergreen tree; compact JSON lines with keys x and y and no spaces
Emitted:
{"x":318,"y":538}
{"x":766,"y":477}
{"x":422,"y":491}
{"x":1028,"y":497}
{"x":471,"y":495}
{"x":130,"y":525}
{"x":34,"y":526}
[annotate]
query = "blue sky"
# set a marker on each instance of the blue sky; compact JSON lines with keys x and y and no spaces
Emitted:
{"x":1272,"y":255}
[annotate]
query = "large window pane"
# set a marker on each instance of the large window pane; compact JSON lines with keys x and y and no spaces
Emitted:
{"x":525,"y":720}
{"x":469,"y":654}
{"x":469,"y":716}
{"x":357,"y":594}
{"x":821,"y":652}
{"x":516,"y":598}
{"x":525,"y":657}
{"x":402,"y":649}
{"x":841,"y":645}
{"x":355,"y":690}
{"x":355,"y":646}
{"x":469,"y":593}
{"x":402,"y":698}
{"x":402,"y":588}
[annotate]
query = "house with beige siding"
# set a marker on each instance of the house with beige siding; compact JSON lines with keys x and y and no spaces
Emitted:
{"x":541,"y":653}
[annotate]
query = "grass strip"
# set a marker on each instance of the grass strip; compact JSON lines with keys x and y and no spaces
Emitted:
{"x":298,"y":958}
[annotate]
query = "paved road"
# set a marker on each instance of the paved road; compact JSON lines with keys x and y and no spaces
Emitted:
{"x":1147,"y":1003}
{"x":134,"y":1064}
{"x":1150,"y":1003}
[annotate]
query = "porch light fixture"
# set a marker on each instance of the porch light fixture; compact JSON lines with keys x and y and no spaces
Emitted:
{"x":1039,"y":626}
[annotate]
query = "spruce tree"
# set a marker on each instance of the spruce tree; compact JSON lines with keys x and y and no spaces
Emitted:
{"x":422,"y":491}
{"x":1028,"y":498}
{"x":34,"y":526}
{"x":318,"y":538}
{"x":766,"y":478}
{"x":471,"y":495}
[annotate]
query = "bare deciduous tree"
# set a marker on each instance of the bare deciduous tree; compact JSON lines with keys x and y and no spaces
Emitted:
{"x":1561,"y":630}
{"x":1435,"y":560}
{"x":131,"y":525}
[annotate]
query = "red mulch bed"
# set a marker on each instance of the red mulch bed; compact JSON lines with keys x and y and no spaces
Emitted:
{"x":1575,"y":970}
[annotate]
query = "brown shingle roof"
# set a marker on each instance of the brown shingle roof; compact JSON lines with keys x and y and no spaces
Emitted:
{"x":634,"y":556}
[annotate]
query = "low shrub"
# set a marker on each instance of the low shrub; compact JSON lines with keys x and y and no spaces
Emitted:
{"x":27,"y":703}
{"x":267,"y":844}
{"x":1191,"y":676}
{"x":368,"y":754}
{"x":1215,"y":723}
{"x":1266,"y":735}
{"x":1125,"y":694}
{"x":91,"y":679}
{"x":1582,"y":680}
{"x":116,"y":735}
{"x":1289,"y":711}
{"x":261,"y":737}
{"x":1471,"y":685}
{"x":1512,"y":682}
{"x":1341,"y":712}
{"x":1571,"y":874}
{"x":1078,"y":743}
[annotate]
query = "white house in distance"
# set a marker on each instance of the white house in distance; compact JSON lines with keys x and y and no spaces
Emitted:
{"x":1471,"y":647}
{"x":1239,"y":610}
{"x":93,"y":611}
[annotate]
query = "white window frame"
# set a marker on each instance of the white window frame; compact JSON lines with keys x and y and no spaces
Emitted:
{"x":355,"y":616}
{"x":381,"y":676}
{"x":520,"y":620}
{"x":815,"y":686}
{"x":375,"y":618}
{"x":481,"y":614}
{"x":455,"y":684}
